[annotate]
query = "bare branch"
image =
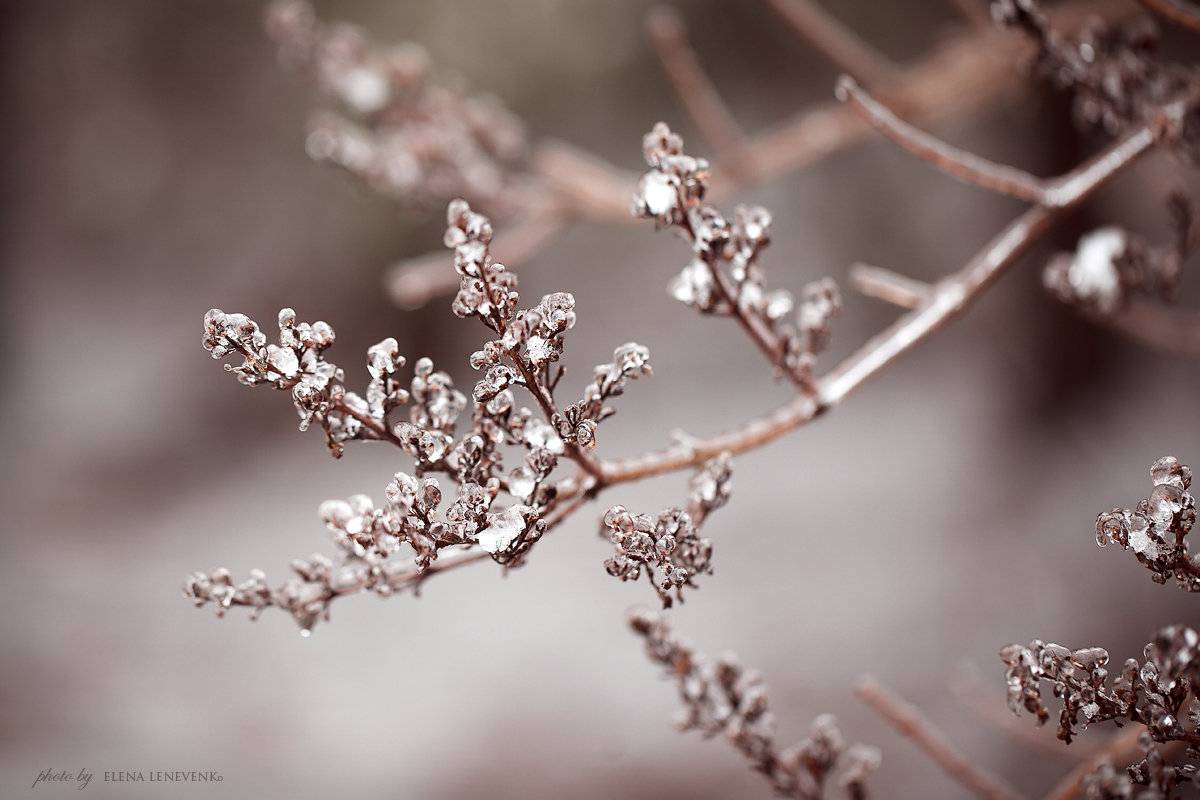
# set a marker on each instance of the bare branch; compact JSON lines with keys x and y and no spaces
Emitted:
{"x":950,"y":297}
{"x":965,"y":166}
{"x":695,"y":90}
{"x":905,"y":718}
{"x":835,"y":41}
{"x":888,"y":286}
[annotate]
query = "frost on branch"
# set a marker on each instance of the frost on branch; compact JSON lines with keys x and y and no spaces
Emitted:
{"x":722,"y":697}
{"x":669,"y":549}
{"x":1158,"y":694}
{"x":724,"y":276}
{"x":391,"y":125}
{"x":1156,"y":529}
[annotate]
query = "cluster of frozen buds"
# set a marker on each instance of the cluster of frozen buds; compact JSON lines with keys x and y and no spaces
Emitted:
{"x":297,"y":363}
{"x":368,"y":538}
{"x":1108,"y":266}
{"x":1152,"y":778}
{"x":1118,"y":80}
{"x":394,"y":128}
{"x":1156,"y":529}
{"x":1157,"y":694}
{"x":669,"y":549}
{"x":723,"y":698}
{"x":724,"y":276}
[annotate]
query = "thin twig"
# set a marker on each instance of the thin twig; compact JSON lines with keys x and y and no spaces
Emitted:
{"x":950,"y":297}
{"x":1180,"y":12}
{"x":905,"y":718}
{"x":965,"y":166}
{"x":835,"y":41}
{"x":888,"y":286}
{"x":668,"y":34}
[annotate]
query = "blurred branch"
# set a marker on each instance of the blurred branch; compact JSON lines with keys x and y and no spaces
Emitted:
{"x":695,"y":90}
{"x":906,"y":719}
{"x":888,"y":286}
{"x":837,"y":43}
{"x":967,"y":75}
{"x":1119,"y":749}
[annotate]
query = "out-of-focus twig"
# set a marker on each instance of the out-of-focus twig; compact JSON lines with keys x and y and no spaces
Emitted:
{"x":905,"y":718}
{"x":667,"y":32}
{"x":888,"y":286}
{"x":835,"y":41}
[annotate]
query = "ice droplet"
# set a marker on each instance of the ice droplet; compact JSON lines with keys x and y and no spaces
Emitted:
{"x":521,"y":483}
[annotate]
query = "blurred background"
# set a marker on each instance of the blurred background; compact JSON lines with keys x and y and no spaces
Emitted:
{"x":155,"y":168}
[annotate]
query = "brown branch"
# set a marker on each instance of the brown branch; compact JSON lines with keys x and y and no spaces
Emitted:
{"x":905,"y":718}
{"x":948,"y":299}
{"x":840,"y":45}
{"x":668,"y":35}
{"x":1180,"y":12}
{"x":965,"y":166}
{"x":888,"y":286}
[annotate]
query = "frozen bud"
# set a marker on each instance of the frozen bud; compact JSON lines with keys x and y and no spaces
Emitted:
{"x":1090,"y":658}
{"x":657,"y":195}
{"x":283,"y":360}
{"x":1165,"y":501}
{"x":779,"y":305}
{"x":753,"y":223}
{"x":423,"y":368}
{"x":335,"y":513}
{"x":287,"y":318}
{"x":540,"y":434}
{"x":1168,"y":470}
{"x":504,"y":528}
{"x":383,"y":358}
{"x":659,"y":142}
{"x":693,"y":285}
